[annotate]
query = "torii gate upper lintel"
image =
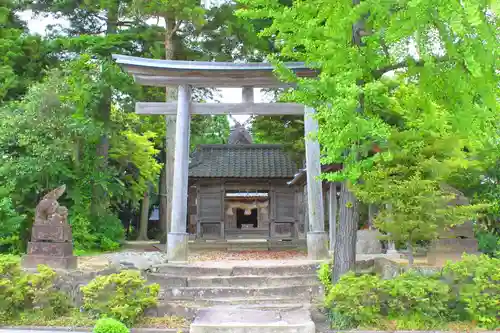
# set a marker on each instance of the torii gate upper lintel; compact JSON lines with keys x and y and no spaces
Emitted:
{"x":188,"y":74}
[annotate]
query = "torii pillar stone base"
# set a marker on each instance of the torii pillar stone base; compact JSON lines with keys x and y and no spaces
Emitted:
{"x":177,"y":247}
{"x":317,"y":245}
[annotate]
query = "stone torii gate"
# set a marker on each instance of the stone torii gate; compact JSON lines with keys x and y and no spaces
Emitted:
{"x":188,"y":74}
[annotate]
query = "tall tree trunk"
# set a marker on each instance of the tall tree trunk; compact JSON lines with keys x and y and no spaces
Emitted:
{"x":143,"y":224}
{"x":163,"y":202}
{"x":409,"y":245}
{"x":99,"y":198}
{"x":411,"y":259}
{"x":166,"y":185}
{"x":345,"y":244}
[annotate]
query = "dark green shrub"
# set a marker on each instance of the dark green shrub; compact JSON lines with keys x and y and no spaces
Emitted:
{"x":123,"y":296}
{"x":489,"y":243}
{"x":109,"y":325}
{"x":475,"y":282}
{"x":10,"y":226}
{"x":411,"y":294}
{"x":102,"y":233}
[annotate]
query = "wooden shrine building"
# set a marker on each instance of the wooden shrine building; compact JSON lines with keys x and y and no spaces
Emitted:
{"x":239,"y":190}
{"x":224,"y":191}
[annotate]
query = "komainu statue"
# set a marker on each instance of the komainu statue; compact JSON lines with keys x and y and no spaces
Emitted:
{"x":48,"y":209}
{"x":51,"y":240}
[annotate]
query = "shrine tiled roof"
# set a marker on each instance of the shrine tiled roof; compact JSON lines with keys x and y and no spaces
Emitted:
{"x":241,"y":161}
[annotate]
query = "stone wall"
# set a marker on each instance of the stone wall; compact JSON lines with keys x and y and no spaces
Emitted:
{"x":389,"y":269}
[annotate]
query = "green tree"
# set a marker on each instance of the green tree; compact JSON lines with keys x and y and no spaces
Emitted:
{"x":50,"y":137}
{"x":24,"y":57}
{"x":443,"y":52}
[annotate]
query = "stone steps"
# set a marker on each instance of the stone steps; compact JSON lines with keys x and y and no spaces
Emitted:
{"x":244,"y":320}
{"x":182,"y":270}
{"x":193,"y":293}
{"x":189,"y":309}
{"x":240,"y":298}
{"x":244,"y":281}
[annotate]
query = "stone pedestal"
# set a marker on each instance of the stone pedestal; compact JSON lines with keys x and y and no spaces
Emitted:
{"x":51,"y":240}
{"x":317,"y":245}
{"x":452,"y":244}
{"x":177,"y":246}
{"x":368,"y":242}
{"x":452,"y":249}
{"x":50,"y":245}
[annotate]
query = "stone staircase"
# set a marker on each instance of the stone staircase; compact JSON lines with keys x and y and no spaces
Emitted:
{"x":240,"y":298}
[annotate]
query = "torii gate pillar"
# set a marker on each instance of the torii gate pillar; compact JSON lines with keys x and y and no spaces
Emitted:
{"x":317,"y":239}
{"x":178,"y":238}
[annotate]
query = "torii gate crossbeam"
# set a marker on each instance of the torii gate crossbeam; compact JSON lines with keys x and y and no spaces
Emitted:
{"x":188,"y":74}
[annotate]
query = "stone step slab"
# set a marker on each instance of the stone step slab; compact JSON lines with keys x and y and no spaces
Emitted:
{"x":250,"y":281}
{"x":181,"y":270}
{"x":253,"y":281}
{"x":193,"y":293}
{"x":189,"y":309}
{"x":244,"y":320}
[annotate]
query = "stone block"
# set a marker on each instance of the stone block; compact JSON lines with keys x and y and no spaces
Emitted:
{"x":50,"y":249}
{"x":32,"y":261}
{"x":190,"y":293}
{"x":46,"y":232}
{"x":240,"y":320}
{"x":445,"y":249}
{"x":177,"y":247}
{"x":252,"y":281}
{"x":317,"y":245}
{"x":368,"y":242}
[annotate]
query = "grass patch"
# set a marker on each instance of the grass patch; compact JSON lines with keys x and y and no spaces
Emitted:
{"x":87,"y":253}
{"x":35,"y":318}
{"x":80,"y":319}
{"x":162,"y":322}
{"x":419,"y":324}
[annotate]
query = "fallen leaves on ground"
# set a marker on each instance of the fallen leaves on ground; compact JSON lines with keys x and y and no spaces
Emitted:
{"x":246,"y":255}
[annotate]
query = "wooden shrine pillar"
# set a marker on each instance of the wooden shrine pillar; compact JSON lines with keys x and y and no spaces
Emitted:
{"x":317,"y":239}
{"x":178,"y":238}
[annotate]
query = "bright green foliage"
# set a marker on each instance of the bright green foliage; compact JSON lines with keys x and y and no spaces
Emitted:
{"x":140,"y":151}
{"x":123,"y":296}
{"x":325,"y":276}
{"x":355,"y":300}
{"x":12,"y":287}
{"x":467,"y":290}
{"x":406,"y":95}
{"x":407,"y":182}
{"x":476,"y":283}
{"x":21,"y":291}
{"x":411,"y":294}
{"x":109,"y":325}
{"x":43,"y":295}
